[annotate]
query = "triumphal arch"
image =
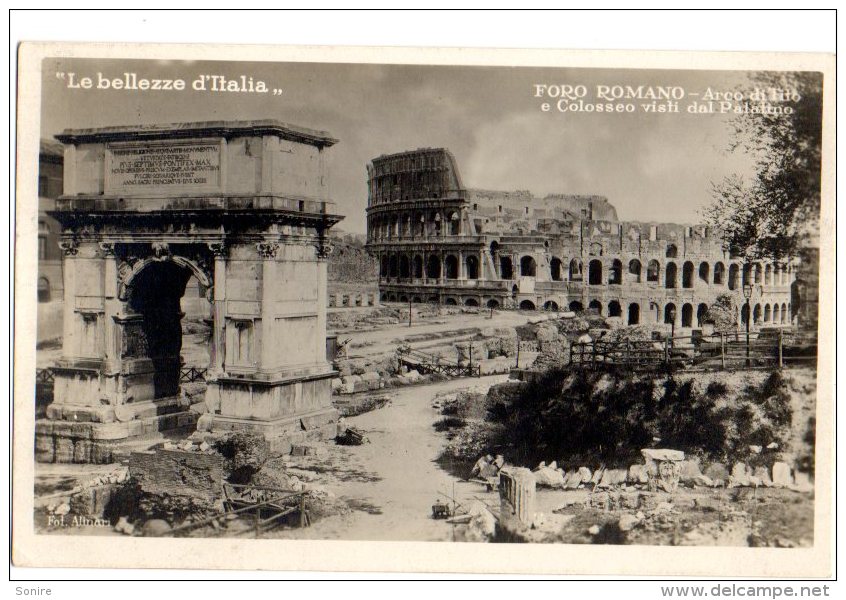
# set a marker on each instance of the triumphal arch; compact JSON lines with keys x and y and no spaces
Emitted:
{"x":243,"y":208}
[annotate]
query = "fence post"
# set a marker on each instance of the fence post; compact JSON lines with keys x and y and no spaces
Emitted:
{"x":723,"y":349}
{"x":256,"y":521}
{"x":593,"y":355}
{"x":666,"y":350}
{"x":302,"y":511}
{"x":780,"y":348}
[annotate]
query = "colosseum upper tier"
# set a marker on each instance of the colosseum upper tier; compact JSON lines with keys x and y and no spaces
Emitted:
{"x":437,"y":241}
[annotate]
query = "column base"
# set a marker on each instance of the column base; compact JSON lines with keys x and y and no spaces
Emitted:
{"x":74,"y":435}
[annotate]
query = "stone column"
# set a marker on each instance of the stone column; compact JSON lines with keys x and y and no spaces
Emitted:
{"x":323,"y":250}
{"x":269,"y":275}
{"x":111,"y":308}
{"x":71,"y":249}
{"x":217,"y":351}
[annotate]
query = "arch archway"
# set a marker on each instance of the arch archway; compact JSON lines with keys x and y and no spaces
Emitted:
{"x":734,"y":276}
{"x":595,"y":272}
{"x":669,"y":313}
{"x":575,"y":270}
{"x":768,"y":315}
{"x":404,"y":267}
{"x":154,"y":292}
{"x":614,"y":309}
{"x":672,"y":251}
{"x":472,"y":266}
{"x":433,"y":267}
{"x":576,"y":306}
{"x":527,"y":305}
{"x":704,"y":273}
{"x":393,"y":266}
{"x":417,"y":267}
{"x":595,"y":305}
{"x":451,"y":266}
{"x":555,"y":269}
{"x":634,"y":314}
{"x":701,"y":311}
{"x":653,"y":271}
{"x":528,"y":266}
{"x":634,"y":270}
{"x":687,"y":274}
{"x":687,"y":315}
{"x":670,"y":275}
{"x":471,"y":302}
{"x":451,"y":302}
{"x":493,"y":303}
{"x":506,"y":268}
{"x":776,"y":313}
{"x":551,"y":305}
{"x":719,"y":274}
{"x":615,"y":276}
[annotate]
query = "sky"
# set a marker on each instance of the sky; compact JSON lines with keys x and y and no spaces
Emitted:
{"x":652,"y":167}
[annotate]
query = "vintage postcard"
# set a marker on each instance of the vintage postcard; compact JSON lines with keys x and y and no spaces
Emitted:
{"x":486,"y":311}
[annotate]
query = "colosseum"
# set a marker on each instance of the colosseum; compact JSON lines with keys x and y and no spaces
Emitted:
{"x":437,"y":241}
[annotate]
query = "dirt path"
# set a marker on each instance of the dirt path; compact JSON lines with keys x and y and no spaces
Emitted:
{"x":392,"y":482}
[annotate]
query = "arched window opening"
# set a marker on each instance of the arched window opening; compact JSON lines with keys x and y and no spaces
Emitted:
{"x":687,"y":315}
{"x":687,"y":275}
{"x":451,"y":267}
{"x":472,"y":264}
{"x":634,"y":314}
{"x":433,"y":267}
{"x":670,"y":313}
{"x":653,"y":271}
{"x":672,"y":251}
{"x":701,"y":311}
{"x":615,"y":276}
{"x":595,"y":272}
{"x":704,"y":273}
{"x":595,"y":305}
{"x":555,"y":269}
{"x":506,"y":268}
{"x":614,"y":309}
{"x":734,"y":274}
{"x":404,"y":267}
{"x":719,"y":274}
{"x":528,"y":267}
{"x":575,"y":270}
{"x":634,"y":270}
{"x":670,"y":276}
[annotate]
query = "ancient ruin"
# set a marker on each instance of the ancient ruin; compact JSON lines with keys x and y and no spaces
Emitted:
{"x":240,"y":206}
{"x":438,"y":241}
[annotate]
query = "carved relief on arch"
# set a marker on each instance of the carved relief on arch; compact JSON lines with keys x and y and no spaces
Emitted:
{"x":132,"y":264}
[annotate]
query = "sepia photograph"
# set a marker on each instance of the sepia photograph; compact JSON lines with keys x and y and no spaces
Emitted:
{"x":464,"y":302}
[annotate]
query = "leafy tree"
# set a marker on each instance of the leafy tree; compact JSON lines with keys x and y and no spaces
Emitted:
{"x":722,"y":313}
{"x":770,"y":214}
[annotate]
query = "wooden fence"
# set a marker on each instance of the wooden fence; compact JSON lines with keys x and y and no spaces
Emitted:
{"x":772,"y":348}
{"x":423,"y":363}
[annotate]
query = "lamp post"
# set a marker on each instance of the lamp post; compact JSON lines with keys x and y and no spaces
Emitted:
{"x":747,"y":293}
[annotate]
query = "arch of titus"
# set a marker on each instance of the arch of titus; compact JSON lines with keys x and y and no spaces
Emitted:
{"x":241,"y":206}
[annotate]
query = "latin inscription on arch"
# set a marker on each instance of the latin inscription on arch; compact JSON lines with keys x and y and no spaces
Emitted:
{"x":163,"y":168}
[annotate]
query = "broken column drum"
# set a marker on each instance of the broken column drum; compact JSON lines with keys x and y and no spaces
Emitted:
{"x":243,"y":208}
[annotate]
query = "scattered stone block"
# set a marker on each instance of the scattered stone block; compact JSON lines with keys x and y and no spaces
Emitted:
{"x":782,"y":476}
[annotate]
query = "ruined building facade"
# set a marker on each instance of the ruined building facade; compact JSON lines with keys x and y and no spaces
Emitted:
{"x":437,"y":241}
